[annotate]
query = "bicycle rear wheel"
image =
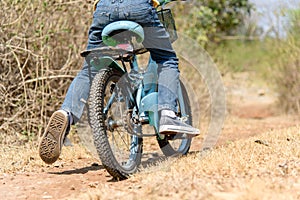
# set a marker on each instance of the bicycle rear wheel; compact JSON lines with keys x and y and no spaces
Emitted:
{"x":119,"y":152}
{"x":174,"y":145}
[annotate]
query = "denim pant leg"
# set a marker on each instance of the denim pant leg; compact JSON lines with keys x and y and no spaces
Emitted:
{"x":78,"y":92}
{"x":158,"y":43}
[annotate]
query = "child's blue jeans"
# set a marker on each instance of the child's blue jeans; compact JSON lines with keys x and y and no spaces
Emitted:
{"x":156,"y":41}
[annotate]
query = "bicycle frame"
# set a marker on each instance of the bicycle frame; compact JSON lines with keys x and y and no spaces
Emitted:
{"x":146,"y":98}
{"x":123,"y":101}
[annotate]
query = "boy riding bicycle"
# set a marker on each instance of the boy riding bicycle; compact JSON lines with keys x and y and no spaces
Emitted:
{"x":156,"y":41}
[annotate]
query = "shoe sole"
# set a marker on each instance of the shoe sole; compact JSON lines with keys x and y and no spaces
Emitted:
{"x":170,"y":129}
{"x":51,"y":141}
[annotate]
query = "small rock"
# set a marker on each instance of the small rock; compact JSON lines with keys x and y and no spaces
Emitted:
{"x":93,"y":185}
{"x":284,"y":168}
{"x":58,"y":164}
{"x":261,"y":92}
{"x":47,"y":197}
{"x":261,"y":142}
{"x":95,"y":165}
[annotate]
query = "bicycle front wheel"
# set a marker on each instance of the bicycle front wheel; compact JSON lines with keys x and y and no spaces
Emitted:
{"x":119,"y":152}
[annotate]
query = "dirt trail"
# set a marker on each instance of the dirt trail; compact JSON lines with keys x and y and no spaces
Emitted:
{"x":69,"y":178}
{"x":76,"y":172}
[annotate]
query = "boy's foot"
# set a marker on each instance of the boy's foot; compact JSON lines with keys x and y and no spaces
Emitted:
{"x":52,"y":139}
{"x":170,"y":124}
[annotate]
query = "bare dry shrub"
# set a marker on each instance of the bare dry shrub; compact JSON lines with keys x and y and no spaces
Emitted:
{"x":288,"y":78}
{"x":40,"y":43}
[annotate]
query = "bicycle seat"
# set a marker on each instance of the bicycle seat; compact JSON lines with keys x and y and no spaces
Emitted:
{"x":122,"y":32}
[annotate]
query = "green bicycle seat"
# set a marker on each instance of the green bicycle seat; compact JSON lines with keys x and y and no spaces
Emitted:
{"x":121,"y":32}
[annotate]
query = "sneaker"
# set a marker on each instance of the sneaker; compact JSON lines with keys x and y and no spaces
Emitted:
{"x":173,"y":125}
{"x":53,"y":137}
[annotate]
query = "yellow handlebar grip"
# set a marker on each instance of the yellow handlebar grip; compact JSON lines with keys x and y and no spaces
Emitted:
{"x":155,"y":3}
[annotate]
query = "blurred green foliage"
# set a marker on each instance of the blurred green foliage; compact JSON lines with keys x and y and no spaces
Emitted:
{"x":210,"y":20}
{"x":274,"y":61}
{"x":244,"y":55}
{"x":294,"y":25}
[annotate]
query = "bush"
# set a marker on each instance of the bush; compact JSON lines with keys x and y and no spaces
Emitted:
{"x":287,"y":75}
{"x":40,"y":43}
{"x":210,"y":20}
{"x":288,"y":79}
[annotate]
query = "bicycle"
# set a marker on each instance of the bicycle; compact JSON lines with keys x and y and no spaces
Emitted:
{"x":122,"y":101}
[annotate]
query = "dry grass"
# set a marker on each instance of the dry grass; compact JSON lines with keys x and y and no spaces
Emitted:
{"x":262,"y":167}
{"x":39,"y":50}
{"x":40,"y":44}
{"x":25,"y":158}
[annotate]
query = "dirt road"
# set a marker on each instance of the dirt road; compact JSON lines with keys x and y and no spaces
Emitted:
{"x":24,"y":176}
